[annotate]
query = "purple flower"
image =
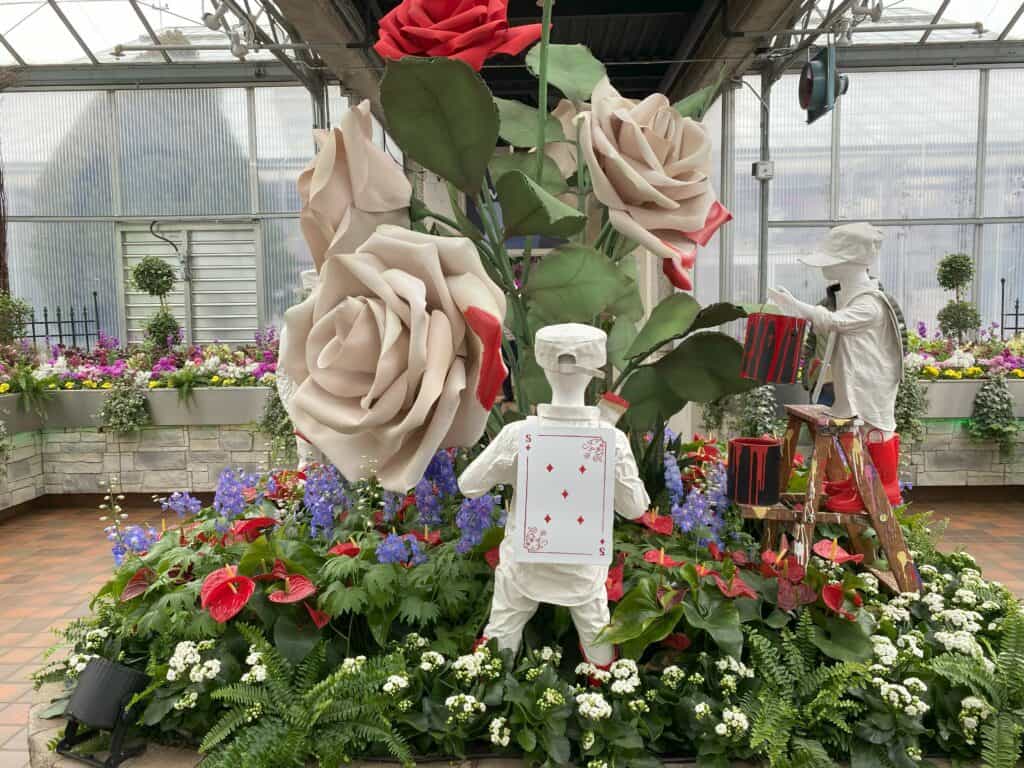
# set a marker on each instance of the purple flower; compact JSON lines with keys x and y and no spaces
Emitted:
{"x":325,"y":493}
{"x":181,"y":503}
{"x":922,"y":329}
{"x":428,"y":502}
{"x":229,"y":499}
{"x":673,"y":479}
{"x":135,"y":539}
{"x":392,"y":503}
{"x":474,"y":517}
{"x":400,"y":550}
{"x":698,"y":515}
{"x":441,"y":472}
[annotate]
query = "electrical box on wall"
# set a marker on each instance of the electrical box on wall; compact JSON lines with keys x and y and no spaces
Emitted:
{"x":763,"y":170}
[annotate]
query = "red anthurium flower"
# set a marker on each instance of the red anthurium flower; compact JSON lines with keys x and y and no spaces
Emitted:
{"x":138,"y":584}
{"x":677,"y":641}
{"x":792,"y":596}
{"x":658,"y":557}
{"x":225,"y":593}
{"x":279,"y":571}
{"x":345,"y":549}
{"x":251,"y":528}
{"x":427,"y":536}
{"x":613,"y":584}
{"x":320,"y":619}
{"x":286,"y":483}
{"x":296,"y":589}
{"x":798,"y":460}
{"x":488,"y":330}
{"x":832,"y":595}
{"x":736,"y":588}
{"x":468,"y":30}
{"x":658,"y":523}
{"x":830,"y":550}
{"x":493,"y":557}
{"x":249,"y":494}
{"x":782,"y":565}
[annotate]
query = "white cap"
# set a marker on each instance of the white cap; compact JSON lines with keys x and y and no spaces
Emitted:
{"x":584,"y":345}
{"x":847,"y":244}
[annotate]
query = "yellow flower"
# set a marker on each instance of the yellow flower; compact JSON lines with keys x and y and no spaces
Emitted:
{"x":215,"y":378}
{"x":270,"y":379}
{"x":949,"y":373}
{"x":89,"y":384}
{"x":106,"y":385}
{"x":153,"y":384}
{"x":228,"y":383}
{"x":69,"y":385}
{"x":51,"y":386}
{"x":930,"y":370}
{"x":1017,"y":373}
{"x":5,"y":387}
{"x":974,"y":371}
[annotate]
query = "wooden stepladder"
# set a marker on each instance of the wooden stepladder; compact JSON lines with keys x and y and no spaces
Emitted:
{"x":798,"y":514}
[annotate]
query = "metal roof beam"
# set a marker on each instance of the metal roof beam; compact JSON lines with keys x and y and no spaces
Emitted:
{"x":150,"y":75}
{"x":73,"y":31}
{"x":1005,"y":33}
{"x":311,"y":82}
{"x":935,"y":19}
{"x":932,"y":55}
{"x":149,"y":30}
{"x":14,"y":53}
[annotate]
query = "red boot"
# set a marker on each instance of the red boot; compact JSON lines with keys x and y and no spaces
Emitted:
{"x":886,"y":458}
{"x":840,"y":487}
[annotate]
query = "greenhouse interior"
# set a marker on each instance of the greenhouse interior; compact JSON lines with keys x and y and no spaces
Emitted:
{"x":299,"y":297}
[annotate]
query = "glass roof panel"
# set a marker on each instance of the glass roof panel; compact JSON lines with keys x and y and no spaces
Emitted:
{"x":102,"y":24}
{"x":992,"y":14}
{"x":37,"y":34}
{"x":180,"y":22}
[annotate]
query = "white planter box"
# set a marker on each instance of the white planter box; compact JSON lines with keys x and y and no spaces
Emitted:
{"x":955,"y":399}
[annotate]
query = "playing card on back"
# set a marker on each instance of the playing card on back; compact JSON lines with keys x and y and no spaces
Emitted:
{"x":565,"y":495}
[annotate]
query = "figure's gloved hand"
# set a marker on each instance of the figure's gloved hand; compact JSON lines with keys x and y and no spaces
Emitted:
{"x":788,"y":303}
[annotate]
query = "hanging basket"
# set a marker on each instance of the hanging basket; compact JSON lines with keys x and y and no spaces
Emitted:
{"x":772,"y":349}
{"x":754,"y":470}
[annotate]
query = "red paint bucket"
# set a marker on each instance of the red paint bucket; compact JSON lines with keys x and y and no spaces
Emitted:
{"x":772,"y":349}
{"x":753,"y":474}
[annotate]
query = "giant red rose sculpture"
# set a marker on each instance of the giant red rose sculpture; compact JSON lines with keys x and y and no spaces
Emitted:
{"x":468,"y":30}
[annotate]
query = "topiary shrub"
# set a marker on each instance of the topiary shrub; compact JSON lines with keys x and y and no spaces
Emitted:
{"x":958,"y":317}
{"x":154,"y":276}
{"x":911,"y":406}
{"x":162,"y":329}
{"x":992,"y":418}
{"x":758,"y":413}
{"x":14,"y":316}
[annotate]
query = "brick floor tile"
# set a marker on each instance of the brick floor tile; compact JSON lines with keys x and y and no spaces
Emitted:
{"x":14,"y":714}
{"x":17,"y":741}
{"x":12,"y":691}
{"x":18,"y":759}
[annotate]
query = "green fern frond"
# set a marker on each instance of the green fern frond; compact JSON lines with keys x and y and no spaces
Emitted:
{"x":1010,"y":661}
{"x":225,"y":727}
{"x":1001,"y":741}
{"x":969,"y":673}
{"x":811,"y":754}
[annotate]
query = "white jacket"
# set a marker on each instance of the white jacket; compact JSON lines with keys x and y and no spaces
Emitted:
{"x":567,"y":585}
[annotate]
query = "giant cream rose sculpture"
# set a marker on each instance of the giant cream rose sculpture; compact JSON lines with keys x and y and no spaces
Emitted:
{"x":651,"y":166}
{"x":395,"y":354}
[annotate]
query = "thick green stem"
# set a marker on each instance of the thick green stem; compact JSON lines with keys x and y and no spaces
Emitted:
{"x":631,"y":366}
{"x":542,"y":88}
{"x":581,"y":195}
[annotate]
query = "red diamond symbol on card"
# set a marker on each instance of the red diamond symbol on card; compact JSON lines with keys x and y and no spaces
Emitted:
{"x":565,"y":494}
{"x":580,"y":519}
{"x":582,"y":469}
{"x":602,"y":541}
{"x":547,"y":518}
{"x":549,"y":467}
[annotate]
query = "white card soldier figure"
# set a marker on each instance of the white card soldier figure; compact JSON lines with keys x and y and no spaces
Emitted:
{"x":531,"y":570}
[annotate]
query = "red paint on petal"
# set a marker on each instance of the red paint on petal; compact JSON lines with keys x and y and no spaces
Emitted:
{"x":676,"y":275}
{"x":493,"y":372}
{"x":717,"y":216}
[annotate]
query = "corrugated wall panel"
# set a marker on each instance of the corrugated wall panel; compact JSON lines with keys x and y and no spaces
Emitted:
{"x":285,"y":255}
{"x":61,"y":263}
{"x":1004,"y":166}
{"x":184,"y":152}
{"x":284,"y":144}
{"x":55,"y":153}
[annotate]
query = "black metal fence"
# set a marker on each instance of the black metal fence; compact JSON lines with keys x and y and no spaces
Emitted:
{"x":1010,"y":321}
{"x":65,"y":327}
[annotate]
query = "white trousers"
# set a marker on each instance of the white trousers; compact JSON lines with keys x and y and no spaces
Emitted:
{"x":511,"y":610}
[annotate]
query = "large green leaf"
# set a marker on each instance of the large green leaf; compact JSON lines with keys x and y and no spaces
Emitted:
{"x":843,"y":640}
{"x":723,"y":624}
{"x":534,"y":382}
{"x":294,"y":642}
{"x":442,"y":114}
{"x":620,"y":337}
{"x":574,"y":284}
{"x":506,"y":162}
{"x":670,"y":319}
{"x":572,"y":69}
{"x":699,"y":102}
{"x":704,"y":367}
{"x":527,"y":209}
{"x":635,"y":611}
{"x":629,"y":303}
{"x":649,"y":399}
{"x":714,"y":315}
{"x":654,"y":631}
{"x":519,"y":124}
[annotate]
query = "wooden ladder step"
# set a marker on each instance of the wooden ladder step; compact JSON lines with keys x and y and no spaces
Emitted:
{"x":782,"y":513}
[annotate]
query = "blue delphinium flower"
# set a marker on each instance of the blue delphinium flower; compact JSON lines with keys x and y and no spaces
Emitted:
{"x":400,"y":550}
{"x":698,"y":515}
{"x":474,"y":517}
{"x":136,"y":539}
{"x":428,"y":502}
{"x":441,"y":472}
{"x":717,"y":488}
{"x":325,"y":493}
{"x":229,"y":499}
{"x":392,"y":503}
{"x":181,"y":503}
{"x":670,"y":435}
{"x":673,"y":480}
